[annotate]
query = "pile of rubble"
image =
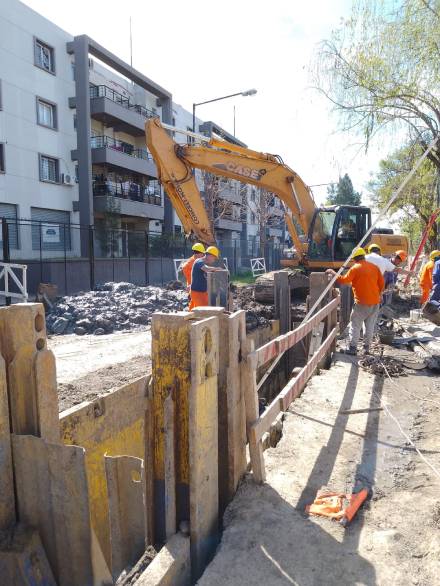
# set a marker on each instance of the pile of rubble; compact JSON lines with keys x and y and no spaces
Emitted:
{"x":113,"y":307}
{"x":382,"y":365}
{"x":258,"y":315}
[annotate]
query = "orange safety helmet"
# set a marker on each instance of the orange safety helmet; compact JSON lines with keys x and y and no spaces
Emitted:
{"x":402,"y":255}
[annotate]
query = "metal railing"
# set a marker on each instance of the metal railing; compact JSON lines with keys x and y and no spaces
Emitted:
{"x":103,"y":91}
{"x":129,"y":190}
{"x":119,"y":145}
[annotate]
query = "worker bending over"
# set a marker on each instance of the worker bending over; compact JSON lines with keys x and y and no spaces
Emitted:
{"x":367,"y":282}
{"x":425,"y":279}
{"x":199,"y":281}
{"x":389,"y":268}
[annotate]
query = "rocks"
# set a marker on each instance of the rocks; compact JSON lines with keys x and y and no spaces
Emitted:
{"x":59,"y":326}
{"x":113,"y":307}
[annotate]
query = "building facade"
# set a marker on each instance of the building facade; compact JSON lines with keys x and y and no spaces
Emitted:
{"x":72,"y":148}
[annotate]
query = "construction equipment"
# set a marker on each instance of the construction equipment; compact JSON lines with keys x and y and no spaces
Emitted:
{"x":323,"y":237}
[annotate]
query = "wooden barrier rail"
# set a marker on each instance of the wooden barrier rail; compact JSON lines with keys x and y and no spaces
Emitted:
{"x":257,"y":425}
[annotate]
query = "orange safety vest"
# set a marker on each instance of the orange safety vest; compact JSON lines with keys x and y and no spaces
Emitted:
{"x":187,"y":268}
{"x":425,"y":280}
{"x":367,"y":282}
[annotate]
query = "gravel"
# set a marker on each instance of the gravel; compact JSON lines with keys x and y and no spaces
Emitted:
{"x":113,"y":307}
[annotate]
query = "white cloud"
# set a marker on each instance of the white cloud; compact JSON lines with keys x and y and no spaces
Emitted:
{"x":201,"y":49}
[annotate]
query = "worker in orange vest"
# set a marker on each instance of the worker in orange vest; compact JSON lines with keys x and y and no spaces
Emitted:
{"x":367,"y":282}
{"x":198,"y":250}
{"x":199,"y":281}
{"x":425,"y":279}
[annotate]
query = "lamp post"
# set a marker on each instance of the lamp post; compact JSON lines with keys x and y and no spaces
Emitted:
{"x":251,"y":92}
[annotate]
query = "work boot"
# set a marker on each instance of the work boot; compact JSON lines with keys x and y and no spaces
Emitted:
{"x":351,"y":350}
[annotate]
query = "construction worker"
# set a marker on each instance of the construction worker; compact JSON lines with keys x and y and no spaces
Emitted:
{"x":199,"y":282}
{"x":425,"y":279}
{"x":198,"y":250}
{"x":367,"y":283}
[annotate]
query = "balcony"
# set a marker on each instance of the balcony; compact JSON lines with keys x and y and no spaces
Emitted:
{"x":225,"y":224}
{"x":230,"y":192}
{"x":275,"y":232}
{"x":115,"y":110}
{"x":128,"y":198}
{"x":120,"y":154}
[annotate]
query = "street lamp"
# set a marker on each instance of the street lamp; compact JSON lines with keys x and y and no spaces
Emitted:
{"x":250,"y":92}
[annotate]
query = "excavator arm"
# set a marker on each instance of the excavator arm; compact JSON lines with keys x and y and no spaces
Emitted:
{"x":176,"y":162}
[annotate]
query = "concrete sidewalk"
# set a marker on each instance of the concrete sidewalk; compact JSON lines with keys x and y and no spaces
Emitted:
{"x":394,"y":540}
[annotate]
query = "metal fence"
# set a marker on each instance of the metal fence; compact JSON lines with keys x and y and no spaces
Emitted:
{"x":77,"y":258}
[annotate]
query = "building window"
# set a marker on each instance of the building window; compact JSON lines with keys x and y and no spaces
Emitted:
{"x":49,"y":169}
{"x":2,"y":157}
{"x":9,"y":212}
{"x":74,"y":121}
{"x":46,"y":113}
{"x":44,"y":56}
{"x":50,"y":229}
{"x":189,"y":139}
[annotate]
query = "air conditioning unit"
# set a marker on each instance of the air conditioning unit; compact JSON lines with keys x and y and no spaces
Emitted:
{"x":67,"y":179}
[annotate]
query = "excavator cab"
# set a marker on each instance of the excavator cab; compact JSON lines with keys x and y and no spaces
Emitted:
{"x":335,"y":231}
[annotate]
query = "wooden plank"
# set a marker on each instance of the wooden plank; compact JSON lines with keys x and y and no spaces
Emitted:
{"x":33,"y":400}
{"x":296,"y":385}
{"x":203,"y":444}
{"x":170,"y":471}
{"x":286,"y":341}
{"x":231,"y":410}
{"x":249,"y":386}
{"x":125,"y":484}
{"x":267,"y":418}
{"x":149,"y":467}
{"x":111,"y":425}
{"x":171,"y":566}
{"x":7,"y":498}
{"x":218,"y":289}
{"x":171,"y":372}
{"x":52,"y":496}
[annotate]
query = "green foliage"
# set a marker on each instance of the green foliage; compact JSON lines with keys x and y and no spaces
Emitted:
{"x":343,"y":193}
{"x":417,"y":201}
{"x":382,"y":67}
{"x":244,"y":278}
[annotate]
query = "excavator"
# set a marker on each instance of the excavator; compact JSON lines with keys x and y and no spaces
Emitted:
{"x":323,"y":237}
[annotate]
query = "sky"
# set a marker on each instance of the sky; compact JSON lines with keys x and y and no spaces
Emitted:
{"x":201,"y":49}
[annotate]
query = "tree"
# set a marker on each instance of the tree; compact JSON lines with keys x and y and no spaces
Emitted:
{"x":343,"y":193}
{"x":419,"y":198}
{"x":381,"y":67}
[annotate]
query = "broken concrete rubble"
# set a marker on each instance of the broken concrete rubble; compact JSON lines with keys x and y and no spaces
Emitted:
{"x":112,"y":307}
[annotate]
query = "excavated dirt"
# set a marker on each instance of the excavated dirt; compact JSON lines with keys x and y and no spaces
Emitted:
{"x":102,"y":381}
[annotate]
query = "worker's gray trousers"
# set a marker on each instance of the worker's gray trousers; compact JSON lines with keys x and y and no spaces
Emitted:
{"x":362,"y":314}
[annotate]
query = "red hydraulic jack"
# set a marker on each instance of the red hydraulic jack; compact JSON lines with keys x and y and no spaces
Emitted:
{"x":429,"y":225}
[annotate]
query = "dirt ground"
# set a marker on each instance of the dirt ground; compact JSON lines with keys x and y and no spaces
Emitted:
{"x":395,"y":538}
{"x":89,"y":366}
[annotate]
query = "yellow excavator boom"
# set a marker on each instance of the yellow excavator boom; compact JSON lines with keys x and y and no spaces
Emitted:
{"x":175,"y":163}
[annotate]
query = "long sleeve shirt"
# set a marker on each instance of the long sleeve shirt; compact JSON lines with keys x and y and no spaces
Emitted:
{"x":367,"y":282}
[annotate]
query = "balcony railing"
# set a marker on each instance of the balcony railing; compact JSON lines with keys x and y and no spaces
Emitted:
{"x":121,"y":146}
{"x":129,"y":190}
{"x":102,"y":91}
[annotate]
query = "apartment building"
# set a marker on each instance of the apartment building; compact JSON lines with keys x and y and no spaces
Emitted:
{"x":72,"y":147}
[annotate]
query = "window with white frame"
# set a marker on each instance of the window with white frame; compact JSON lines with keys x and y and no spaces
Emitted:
{"x":44,"y":56}
{"x":46,"y":113}
{"x":49,"y":169}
